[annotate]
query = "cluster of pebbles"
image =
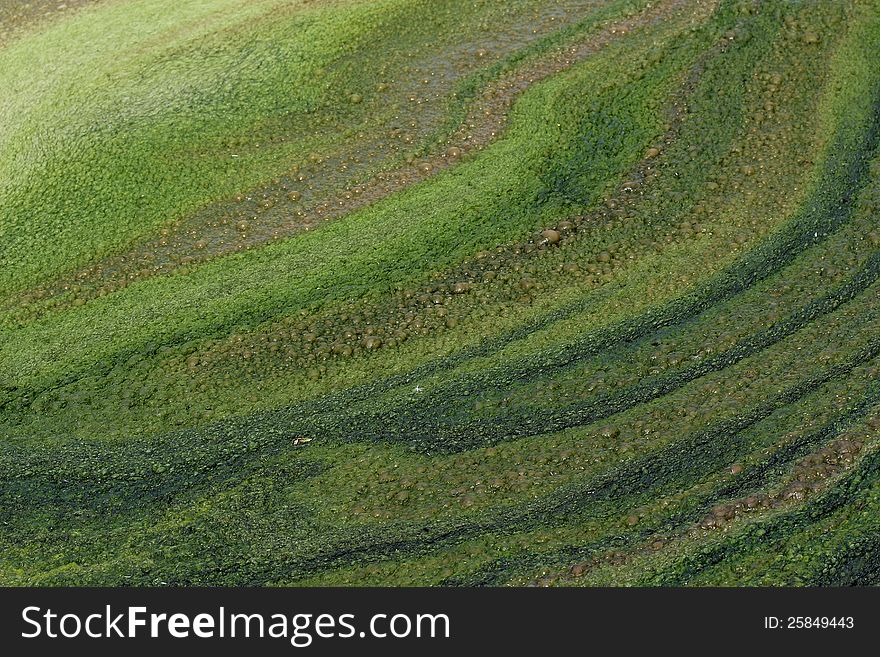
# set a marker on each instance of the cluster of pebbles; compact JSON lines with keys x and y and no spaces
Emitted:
{"x":307,"y":196}
{"x":808,"y":476}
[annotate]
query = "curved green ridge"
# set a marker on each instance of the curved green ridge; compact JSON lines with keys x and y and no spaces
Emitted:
{"x":132,"y":128}
{"x":677,"y":384}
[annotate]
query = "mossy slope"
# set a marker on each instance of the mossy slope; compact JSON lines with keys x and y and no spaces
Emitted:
{"x":630,"y":338}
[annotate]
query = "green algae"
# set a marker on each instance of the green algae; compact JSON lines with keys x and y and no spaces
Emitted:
{"x":609,"y":347}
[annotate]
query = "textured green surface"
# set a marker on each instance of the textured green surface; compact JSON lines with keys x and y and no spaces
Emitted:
{"x":408,"y":292}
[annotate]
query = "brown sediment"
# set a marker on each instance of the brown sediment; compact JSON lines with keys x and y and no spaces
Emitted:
{"x":293,"y":203}
{"x":501,"y":274}
{"x":17,"y":16}
{"x":310,"y":341}
{"x":809,"y":475}
{"x":504,"y":274}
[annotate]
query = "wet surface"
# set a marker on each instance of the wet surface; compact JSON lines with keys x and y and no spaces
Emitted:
{"x":17,"y":15}
{"x":331,"y":185}
{"x":675,"y":383}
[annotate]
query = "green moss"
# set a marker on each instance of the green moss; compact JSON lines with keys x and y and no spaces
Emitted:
{"x":571,"y":356}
